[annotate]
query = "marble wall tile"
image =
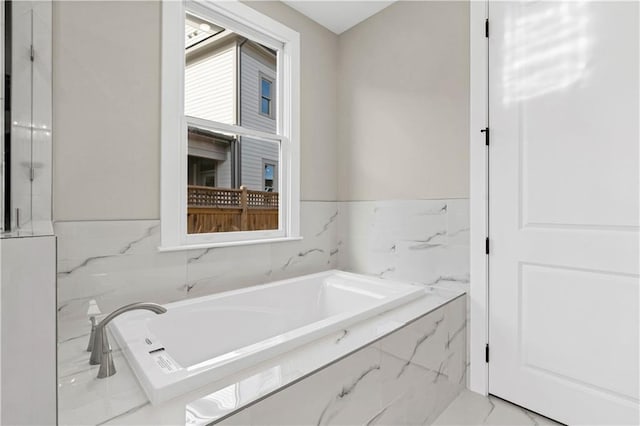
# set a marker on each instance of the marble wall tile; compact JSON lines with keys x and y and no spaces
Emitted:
{"x":458,"y":221}
{"x":114,"y":263}
{"x":385,"y":383}
{"x":412,"y":393}
{"x":331,"y":396}
{"x":87,"y":239}
{"x":425,"y":364}
{"x":420,"y":241}
{"x":229,"y":268}
{"x":316,"y":251}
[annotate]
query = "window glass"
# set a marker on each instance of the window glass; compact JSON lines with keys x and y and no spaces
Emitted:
{"x":270,"y":177}
{"x":232,"y":182}
{"x":265,"y":95}
{"x":266,"y":88}
{"x":264,"y":106}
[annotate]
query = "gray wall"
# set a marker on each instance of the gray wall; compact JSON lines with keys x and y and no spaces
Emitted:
{"x":403,"y":98}
{"x":399,"y":82}
{"x":106,"y":102}
{"x":106,"y":110}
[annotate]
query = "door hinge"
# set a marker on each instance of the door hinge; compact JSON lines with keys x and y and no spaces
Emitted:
{"x":486,"y":135}
{"x":486,"y":28}
{"x":486,"y":246}
{"x":32,"y":53}
{"x":486,"y":353}
{"x":32,"y":173}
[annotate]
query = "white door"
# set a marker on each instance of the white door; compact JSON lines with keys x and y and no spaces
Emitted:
{"x":564,"y":183}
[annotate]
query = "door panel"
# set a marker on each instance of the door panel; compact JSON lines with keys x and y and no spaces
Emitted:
{"x":564,"y":187}
{"x":541,"y":330}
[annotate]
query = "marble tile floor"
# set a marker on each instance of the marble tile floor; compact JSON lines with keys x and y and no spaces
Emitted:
{"x":470,"y":408}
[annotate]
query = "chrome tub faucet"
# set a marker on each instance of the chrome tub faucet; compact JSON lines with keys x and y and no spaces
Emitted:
{"x":99,"y":342}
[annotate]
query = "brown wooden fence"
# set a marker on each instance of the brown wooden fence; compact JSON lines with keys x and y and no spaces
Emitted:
{"x":225,"y":210}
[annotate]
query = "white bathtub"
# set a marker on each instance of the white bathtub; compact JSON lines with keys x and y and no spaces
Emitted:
{"x":199,"y":341}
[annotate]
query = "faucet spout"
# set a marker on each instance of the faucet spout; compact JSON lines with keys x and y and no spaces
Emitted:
{"x":101,"y":343}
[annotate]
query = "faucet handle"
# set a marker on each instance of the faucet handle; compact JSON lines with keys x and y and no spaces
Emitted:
{"x":92,"y":337}
{"x":93,"y":308}
{"x":107,"y":367}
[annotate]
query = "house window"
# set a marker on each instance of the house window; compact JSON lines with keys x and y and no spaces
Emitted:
{"x":201,"y":171}
{"x":265,"y":97}
{"x":269,"y":177}
{"x":228,"y":178}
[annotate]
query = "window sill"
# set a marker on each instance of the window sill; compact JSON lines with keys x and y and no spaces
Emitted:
{"x":227,"y":244}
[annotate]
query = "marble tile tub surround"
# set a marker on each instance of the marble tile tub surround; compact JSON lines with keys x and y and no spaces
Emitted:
{"x":120,"y":400}
{"x":407,"y":378}
{"x":117,"y":262}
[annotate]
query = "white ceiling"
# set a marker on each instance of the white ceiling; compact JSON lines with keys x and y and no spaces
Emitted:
{"x":338,"y":16}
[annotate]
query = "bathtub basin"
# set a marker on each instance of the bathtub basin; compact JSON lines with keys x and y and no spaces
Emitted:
{"x":202,"y":340}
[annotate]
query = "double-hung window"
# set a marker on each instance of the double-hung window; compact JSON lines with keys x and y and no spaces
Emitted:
{"x":266,"y":107}
{"x":230,"y":126}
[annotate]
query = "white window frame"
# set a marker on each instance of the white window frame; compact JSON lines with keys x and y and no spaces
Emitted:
{"x":252,"y":24}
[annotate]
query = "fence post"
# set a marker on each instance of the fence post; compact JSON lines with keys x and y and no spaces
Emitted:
{"x":244,"y":217}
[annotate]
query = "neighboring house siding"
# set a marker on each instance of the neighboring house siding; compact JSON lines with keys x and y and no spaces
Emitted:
{"x":209,"y":87}
{"x":223,"y":172}
{"x":250,"y":116}
{"x":254,"y":151}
